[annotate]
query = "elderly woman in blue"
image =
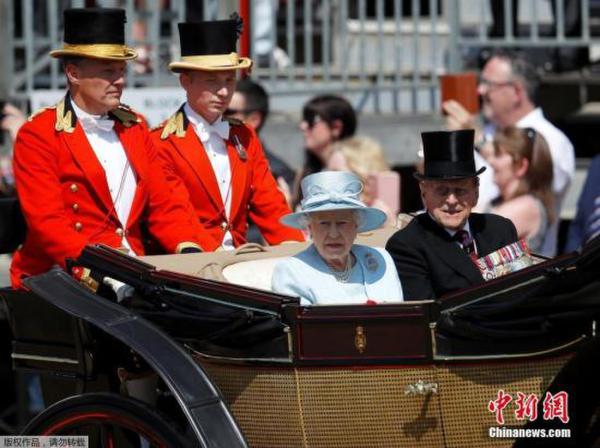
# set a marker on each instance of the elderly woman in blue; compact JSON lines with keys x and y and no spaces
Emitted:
{"x":334,"y":270}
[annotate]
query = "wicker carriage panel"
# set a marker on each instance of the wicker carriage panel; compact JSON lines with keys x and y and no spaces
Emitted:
{"x":368,"y":407}
{"x":330,"y":408}
{"x":465,"y":391}
{"x":345,"y":407}
{"x":263,"y":401}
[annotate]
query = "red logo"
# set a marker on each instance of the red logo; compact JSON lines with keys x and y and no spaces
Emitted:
{"x":526,"y":407}
{"x":554,"y":406}
{"x":497,"y":406}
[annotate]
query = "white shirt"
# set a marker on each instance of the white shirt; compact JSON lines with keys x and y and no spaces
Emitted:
{"x":216,"y":150}
{"x":488,"y":190}
{"x":111,"y":155}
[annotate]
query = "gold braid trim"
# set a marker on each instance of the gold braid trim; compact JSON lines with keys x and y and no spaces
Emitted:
{"x":125,"y":115}
{"x":63,"y":121}
{"x":39,"y":111}
{"x":100,"y":50}
{"x":174,"y":125}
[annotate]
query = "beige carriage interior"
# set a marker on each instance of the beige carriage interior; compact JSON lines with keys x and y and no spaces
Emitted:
{"x":250,"y":265}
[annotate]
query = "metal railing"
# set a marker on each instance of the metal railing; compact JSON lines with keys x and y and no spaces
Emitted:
{"x":389,"y":52}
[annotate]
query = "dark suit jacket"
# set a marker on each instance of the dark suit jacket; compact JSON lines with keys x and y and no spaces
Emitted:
{"x":430,"y":264}
{"x":585,"y":207}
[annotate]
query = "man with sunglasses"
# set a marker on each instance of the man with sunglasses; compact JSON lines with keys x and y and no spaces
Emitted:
{"x":218,"y":165}
{"x":434,"y":253}
{"x":508,"y":87}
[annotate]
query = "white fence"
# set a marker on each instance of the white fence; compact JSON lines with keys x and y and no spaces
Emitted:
{"x":389,"y":52}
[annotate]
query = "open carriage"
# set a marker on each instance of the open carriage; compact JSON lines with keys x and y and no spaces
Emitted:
{"x":232,"y":365}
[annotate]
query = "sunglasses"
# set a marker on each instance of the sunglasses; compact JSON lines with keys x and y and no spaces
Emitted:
{"x":311,"y":119}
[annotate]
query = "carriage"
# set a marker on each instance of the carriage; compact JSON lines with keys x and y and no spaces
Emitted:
{"x":201,"y":353}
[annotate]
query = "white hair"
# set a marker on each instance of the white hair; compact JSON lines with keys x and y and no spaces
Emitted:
{"x":357,"y":215}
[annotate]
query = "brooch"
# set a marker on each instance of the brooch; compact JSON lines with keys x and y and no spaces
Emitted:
{"x":371,"y":262}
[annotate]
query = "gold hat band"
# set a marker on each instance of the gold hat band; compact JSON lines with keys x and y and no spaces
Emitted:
{"x":213,"y":60}
{"x":100,"y":51}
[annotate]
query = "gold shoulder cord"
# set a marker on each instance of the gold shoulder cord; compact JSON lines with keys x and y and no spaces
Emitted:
{"x":63,"y":121}
{"x":174,"y":125}
{"x":125,"y":115}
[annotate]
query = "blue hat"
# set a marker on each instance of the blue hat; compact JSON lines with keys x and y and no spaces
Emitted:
{"x":334,"y":190}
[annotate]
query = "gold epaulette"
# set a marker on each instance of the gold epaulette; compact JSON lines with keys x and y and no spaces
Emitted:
{"x":233,"y":121}
{"x":126,"y":115}
{"x":173,"y":125}
{"x":39,"y":111}
{"x":64,"y":120}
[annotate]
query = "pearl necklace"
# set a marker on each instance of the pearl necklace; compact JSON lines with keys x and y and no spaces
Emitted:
{"x":344,"y":275}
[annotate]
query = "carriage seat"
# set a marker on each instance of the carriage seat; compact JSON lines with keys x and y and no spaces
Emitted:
{"x":253,"y":273}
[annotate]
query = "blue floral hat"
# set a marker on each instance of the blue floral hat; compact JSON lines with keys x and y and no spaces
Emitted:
{"x":334,"y":190}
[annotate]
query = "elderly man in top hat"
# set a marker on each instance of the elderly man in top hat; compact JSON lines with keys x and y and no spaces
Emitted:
{"x":85,"y":169}
{"x":434,"y":253}
{"x":218,"y":165}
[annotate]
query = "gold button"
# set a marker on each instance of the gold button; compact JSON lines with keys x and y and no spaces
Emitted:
{"x":75,"y":207}
{"x":78,"y":226}
{"x":224,"y":225}
{"x":119,"y":232}
{"x":74,"y":188}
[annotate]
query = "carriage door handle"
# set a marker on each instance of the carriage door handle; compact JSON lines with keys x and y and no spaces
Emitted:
{"x":421,"y":388}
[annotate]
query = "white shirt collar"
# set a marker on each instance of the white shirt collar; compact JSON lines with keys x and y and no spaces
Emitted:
{"x":203,"y":127}
{"x":82,"y":113}
{"x":466,"y":227}
{"x":91,"y":122}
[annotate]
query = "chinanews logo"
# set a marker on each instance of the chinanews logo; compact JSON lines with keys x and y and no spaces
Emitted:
{"x":525,"y":408}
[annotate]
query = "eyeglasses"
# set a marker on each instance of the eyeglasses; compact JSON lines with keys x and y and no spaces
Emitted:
{"x":494,"y":84}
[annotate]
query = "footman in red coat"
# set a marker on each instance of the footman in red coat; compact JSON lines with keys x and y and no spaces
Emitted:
{"x":218,"y":165}
{"x":86,"y":170}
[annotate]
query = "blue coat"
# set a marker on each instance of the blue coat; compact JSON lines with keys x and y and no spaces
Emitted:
{"x":306,"y":275}
{"x":585,"y":206}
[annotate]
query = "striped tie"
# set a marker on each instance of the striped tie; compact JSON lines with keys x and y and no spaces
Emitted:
{"x":592,"y":228}
{"x":466,"y":241}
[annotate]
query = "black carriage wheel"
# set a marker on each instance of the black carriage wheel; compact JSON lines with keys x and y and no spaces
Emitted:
{"x":108,"y":419}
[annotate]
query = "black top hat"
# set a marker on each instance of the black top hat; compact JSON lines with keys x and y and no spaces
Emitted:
{"x":210,"y":46}
{"x":95,"y":33}
{"x":449,"y":155}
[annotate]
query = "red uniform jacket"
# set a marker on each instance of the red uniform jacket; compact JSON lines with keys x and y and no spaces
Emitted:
{"x":65,"y":199}
{"x":254,"y":190}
